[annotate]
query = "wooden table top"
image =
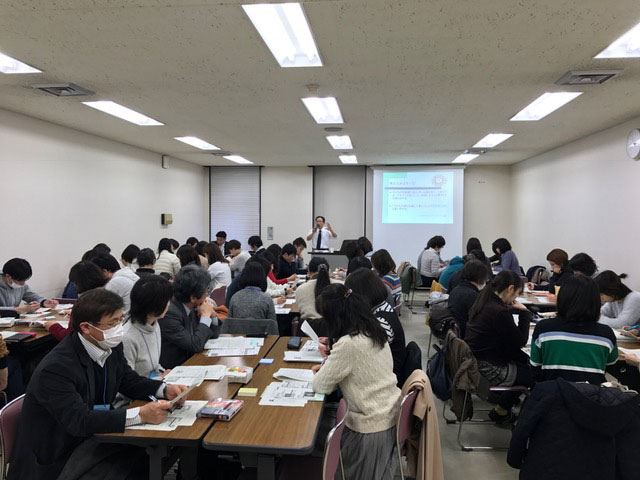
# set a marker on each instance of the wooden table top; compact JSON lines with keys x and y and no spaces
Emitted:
{"x":535,"y":300}
{"x":38,"y":332}
{"x":266,"y":429}
{"x":184,"y":436}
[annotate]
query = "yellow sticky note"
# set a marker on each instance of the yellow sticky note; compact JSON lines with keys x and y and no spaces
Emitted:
{"x":247,"y":392}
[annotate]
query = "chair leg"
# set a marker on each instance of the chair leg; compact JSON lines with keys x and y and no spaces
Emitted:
{"x":399,"y":461}
{"x":449,"y":421}
{"x":429,"y":344}
{"x":467,"y":448}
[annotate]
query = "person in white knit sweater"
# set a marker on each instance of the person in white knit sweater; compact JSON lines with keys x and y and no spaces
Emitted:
{"x":359,"y":361}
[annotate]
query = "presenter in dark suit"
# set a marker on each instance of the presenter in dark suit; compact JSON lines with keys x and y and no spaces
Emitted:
{"x":69,"y":397}
{"x":321,"y":234}
{"x":190,"y":320}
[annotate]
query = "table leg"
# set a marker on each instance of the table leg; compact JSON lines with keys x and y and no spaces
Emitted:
{"x":156,"y":454}
{"x":266,"y":467}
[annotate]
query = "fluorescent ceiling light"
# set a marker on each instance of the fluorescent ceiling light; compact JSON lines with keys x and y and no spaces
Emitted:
{"x":465,"y":157}
{"x":348,"y":159}
{"x":11,"y":65}
{"x":238,"y":159}
{"x":543,"y":105}
{"x":340,"y":142}
{"x":117,"y":110}
{"x":492,"y":140}
{"x":196,"y":142}
{"x":285,"y":30}
{"x":323,"y":109}
{"x":627,"y":46}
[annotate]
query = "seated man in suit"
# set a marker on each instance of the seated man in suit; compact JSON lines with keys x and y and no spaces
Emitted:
{"x":287,"y":267}
{"x":69,"y":398}
{"x":190,"y":320}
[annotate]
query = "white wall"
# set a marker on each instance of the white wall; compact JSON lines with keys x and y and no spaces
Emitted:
{"x":286,"y":203}
{"x":488,"y":209}
{"x":63,"y":191}
{"x":582,"y":197}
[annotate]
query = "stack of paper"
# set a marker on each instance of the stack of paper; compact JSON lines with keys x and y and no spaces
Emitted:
{"x":625,"y":338}
{"x":630,"y":351}
{"x":7,"y":322}
{"x":7,"y":333}
{"x":299,"y":374}
{"x":308,"y":353}
{"x":523,"y":301}
{"x":195,"y":375}
{"x":183,"y":416}
{"x":282,"y":310}
{"x":233,"y":346}
{"x":64,"y":306}
{"x":289,"y":394}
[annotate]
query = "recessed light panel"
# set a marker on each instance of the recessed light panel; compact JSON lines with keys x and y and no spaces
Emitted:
{"x":196,"y":142}
{"x":492,"y":140}
{"x":120,"y":111}
{"x":340,"y":142}
{"x":348,"y":159}
{"x":238,"y":159}
{"x":627,"y":46}
{"x":285,"y":30}
{"x":11,"y":65}
{"x":545,"y":104}
{"x":323,"y":109}
{"x":465,"y":158}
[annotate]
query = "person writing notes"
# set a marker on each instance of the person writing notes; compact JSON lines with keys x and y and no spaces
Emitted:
{"x":620,"y":304}
{"x":13,"y":288}
{"x":321,"y":234}
{"x":69,"y":399}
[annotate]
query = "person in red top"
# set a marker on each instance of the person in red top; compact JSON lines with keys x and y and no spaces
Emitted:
{"x":86,"y":276}
{"x":272,"y":276}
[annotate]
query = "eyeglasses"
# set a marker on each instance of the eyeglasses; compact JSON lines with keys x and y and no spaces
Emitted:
{"x":110,"y":325}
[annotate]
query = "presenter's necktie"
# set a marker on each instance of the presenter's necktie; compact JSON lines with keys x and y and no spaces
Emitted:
{"x":319,"y":241}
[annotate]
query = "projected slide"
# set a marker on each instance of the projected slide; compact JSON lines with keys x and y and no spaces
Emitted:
{"x":417,"y":197}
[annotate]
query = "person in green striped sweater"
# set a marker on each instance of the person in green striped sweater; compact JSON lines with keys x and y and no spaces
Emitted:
{"x":573,"y":345}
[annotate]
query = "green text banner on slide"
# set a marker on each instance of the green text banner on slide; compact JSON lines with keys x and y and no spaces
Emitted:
{"x":412,"y":204}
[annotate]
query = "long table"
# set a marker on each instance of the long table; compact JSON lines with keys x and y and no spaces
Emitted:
{"x":261,"y":433}
{"x":157,"y":443}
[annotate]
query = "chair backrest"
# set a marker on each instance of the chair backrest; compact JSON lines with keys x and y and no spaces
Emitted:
{"x":332,"y":444}
{"x":412,"y":361}
{"x":405,"y":416}
{"x":218,"y":295}
{"x":249,"y":326}
{"x":9,"y":419}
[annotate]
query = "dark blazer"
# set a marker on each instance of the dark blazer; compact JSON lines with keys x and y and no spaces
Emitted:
{"x":493,"y":335}
{"x":57,"y":414}
{"x":460,"y":301}
{"x":577,"y":431}
{"x":286,"y":269}
{"x":182,"y":335}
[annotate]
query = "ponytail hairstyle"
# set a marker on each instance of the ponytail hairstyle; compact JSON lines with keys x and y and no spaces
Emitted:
{"x":500,"y":283}
{"x":610,"y":284}
{"x":347,"y":313}
{"x":320,"y":267}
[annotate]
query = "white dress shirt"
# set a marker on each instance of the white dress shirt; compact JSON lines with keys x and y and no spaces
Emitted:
{"x":324,"y":239}
{"x":100,"y":356}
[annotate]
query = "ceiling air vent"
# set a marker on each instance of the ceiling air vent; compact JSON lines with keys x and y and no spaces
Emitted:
{"x":63,"y":89}
{"x":586,"y":77}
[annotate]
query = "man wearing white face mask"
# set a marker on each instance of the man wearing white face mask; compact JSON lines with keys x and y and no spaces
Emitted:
{"x":13,"y":289}
{"x":69,"y":399}
{"x":473,"y":279}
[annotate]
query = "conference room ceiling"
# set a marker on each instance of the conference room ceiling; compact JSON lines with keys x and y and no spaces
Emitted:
{"x":417,"y":81}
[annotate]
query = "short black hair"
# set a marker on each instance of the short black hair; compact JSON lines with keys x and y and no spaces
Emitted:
{"x":221,"y":234}
{"x":93,"y":306}
{"x":610,"y":283}
{"x":502,"y":244}
{"x":255,"y":241}
{"x":130,"y":253}
{"x":475,"y":271}
{"x":351,"y":250}
{"x":436,"y":242}
{"x":164,"y":244}
{"x":18,"y":268}
{"x":579,"y":300}
{"x":233,"y":244}
{"x":583,"y":263}
{"x":358,"y":263}
{"x":288,"y":249}
{"x":146,"y":257}
{"x":299,"y":242}
{"x":382,"y":262}
{"x":188,"y":255}
{"x":253,"y":275}
{"x":366,"y":283}
{"x":175,"y":244}
{"x":264,"y":262}
{"x":86,"y":276}
{"x":364,"y":244}
{"x":477,"y":255}
{"x":106,"y":262}
{"x":191,"y":281}
{"x":102,"y":247}
{"x":193,"y":241}
{"x":149,"y":296}
{"x":319,"y":216}
{"x":473,"y":244}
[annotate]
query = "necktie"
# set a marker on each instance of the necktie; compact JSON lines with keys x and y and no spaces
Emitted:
{"x":319,"y":242}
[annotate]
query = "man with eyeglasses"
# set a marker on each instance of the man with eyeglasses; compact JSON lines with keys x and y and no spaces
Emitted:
{"x":70,"y":395}
{"x":191,"y":319}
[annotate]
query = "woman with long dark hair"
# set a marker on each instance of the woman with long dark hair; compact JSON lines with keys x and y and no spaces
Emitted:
{"x":621,"y":305}
{"x":496,"y":340}
{"x":360,"y":363}
{"x":308,"y":292}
